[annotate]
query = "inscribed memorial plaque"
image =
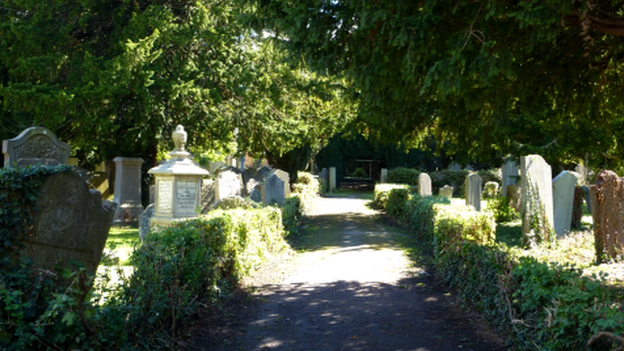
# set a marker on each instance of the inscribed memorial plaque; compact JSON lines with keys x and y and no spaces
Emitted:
{"x":185,"y":196}
{"x":165,"y":195}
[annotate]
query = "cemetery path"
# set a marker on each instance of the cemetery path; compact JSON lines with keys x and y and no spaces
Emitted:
{"x":352,"y":287}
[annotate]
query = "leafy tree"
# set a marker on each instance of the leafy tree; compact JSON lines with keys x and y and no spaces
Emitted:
{"x":486,"y":77}
{"x":114,"y":78}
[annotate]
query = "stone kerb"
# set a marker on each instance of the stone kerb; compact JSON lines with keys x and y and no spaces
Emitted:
{"x":607,"y":196}
{"x":563,"y":201}
{"x":33,"y":146}
{"x":273,"y":190}
{"x":536,"y":187}
{"x":72,"y":223}
{"x":424,"y":185}
{"x":473,"y":191}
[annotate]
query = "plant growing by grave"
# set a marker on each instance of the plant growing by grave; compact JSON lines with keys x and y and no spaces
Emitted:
{"x":359,"y":173}
{"x":502,"y":210}
{"x":536,"y":227}
{"x":307,"y":188}
{"x":382,"y":192}
{"x":402,"y":175}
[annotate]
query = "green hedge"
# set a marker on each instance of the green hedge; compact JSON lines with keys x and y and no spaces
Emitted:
{"x":541,"y":305}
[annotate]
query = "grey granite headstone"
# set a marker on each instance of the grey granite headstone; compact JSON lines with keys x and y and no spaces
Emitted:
{"x":454,"y":166}
{"x":127,"y":189}
{"x":207,"y":195}
{"x":144,"y":221}
{"x":283,"y":175}
{"x":384,"y":175}
{"x":446,"y":191}
{"x":536,"y":184}
{"x":424,"y":185}
{"x":473,"y":191}
{"x":510,"y":175}
{"x":228,"y":183}
{"x":563,"y":201}
{"x":71,"y":224}
{"x":35,"y":145}
{"x":256,"y":195}
{"x":273,"y":190}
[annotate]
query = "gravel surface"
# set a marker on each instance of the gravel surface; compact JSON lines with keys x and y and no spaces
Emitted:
{"x":351,"y":286}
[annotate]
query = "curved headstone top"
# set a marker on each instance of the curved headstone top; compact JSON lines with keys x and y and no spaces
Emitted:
{"x":35,"y":145}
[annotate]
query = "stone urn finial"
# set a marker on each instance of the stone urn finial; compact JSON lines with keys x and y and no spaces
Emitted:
{"x":179,"y":138}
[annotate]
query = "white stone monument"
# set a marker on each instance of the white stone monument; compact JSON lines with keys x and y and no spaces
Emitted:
{"x":178,"y":185}
{"x":384,"y":175}
{"x":563,"y":201}
{"x":424,"y":185}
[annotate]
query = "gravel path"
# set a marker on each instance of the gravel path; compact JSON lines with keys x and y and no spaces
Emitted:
{"x":352,"y":288}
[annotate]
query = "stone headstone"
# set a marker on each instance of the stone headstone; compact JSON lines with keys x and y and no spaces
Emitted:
{"x":384,"y":175}
{"x":582,"y":171}
{"x":273,"y":190}
{"x":256,"y":195}
{"x":446,"y":191}
{"x":127,"y":189}
{"x":490,"y":190}
{"x":332,"y":179}
{"x":514,"y":195}
{"x":71,"y":224}
{"x":424,"y":185}
{"x":454,"y":166}
{"x":536,"y":185}
{"x":249,"y":174}
{"x":510,"y":175}
{"x":473,"y":191}
{"x":262,"y":173}
{"x":33,"y":146}
{"x":144,"y":221}
{"x":228,"y":183}
{"x":324,"y":175}
{"x":607,"y":198}
{"x":283,"y":175}
{"x":563,"y":201}
{"x":207,"y":196}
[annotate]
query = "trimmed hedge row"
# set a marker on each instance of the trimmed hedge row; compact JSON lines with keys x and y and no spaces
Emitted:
{"x":540,"y":305}
{"x":178,"y":271}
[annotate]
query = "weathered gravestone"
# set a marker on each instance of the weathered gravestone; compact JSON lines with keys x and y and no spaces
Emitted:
{"x":510,"y":175}
{"x":446,"y":191}
{"x":71,"y":224}
{"x":324,"y":175}
{"x":332,"y":179}
{"x":454,"y":166}
{"x":33,"y":146}
{"x":585,"y":189}
{"x":424,"y":185}
{"x":178,"y":184}
{"x":473,"y":191}
{"x":384,"y":175}
{"x":283,"y":175}
{"x":273,"y":190}
{"x":145,"y":219}
{"x":127,"y":189}
{"x":563,"y":201}
{"x":207,"y":195}
{"x":536,"y":198}
{"x":228,"y":183}
{"x":607,"y":199}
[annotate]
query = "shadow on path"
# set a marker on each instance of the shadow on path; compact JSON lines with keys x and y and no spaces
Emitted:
{"x":353,"y":288}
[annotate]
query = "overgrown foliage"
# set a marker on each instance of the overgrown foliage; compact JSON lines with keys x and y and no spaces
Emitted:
{"x":502,"y":210}
{"x":543,"y":305}
{"x":307,"y":188}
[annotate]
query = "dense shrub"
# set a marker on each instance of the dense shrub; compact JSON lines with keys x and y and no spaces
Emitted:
{"x":453,"y":178}
{"x":359,"y":173}
{"x":381,"y":192}
{"x":502,"y":210}
{"x":291,"y":215}
{"x":397,"y":198}
{"x":307,"y":188}
{"x":184,"y":267}
{"x":544,"y":306}
{"x":401,"y":175}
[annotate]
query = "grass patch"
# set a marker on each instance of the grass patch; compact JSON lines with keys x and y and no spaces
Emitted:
{"x":121,"y":242}
{"x":509,"y":233}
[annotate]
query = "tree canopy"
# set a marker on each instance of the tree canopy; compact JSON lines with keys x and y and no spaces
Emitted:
{"x":486,"y":77}
{"x":114,"y":78}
